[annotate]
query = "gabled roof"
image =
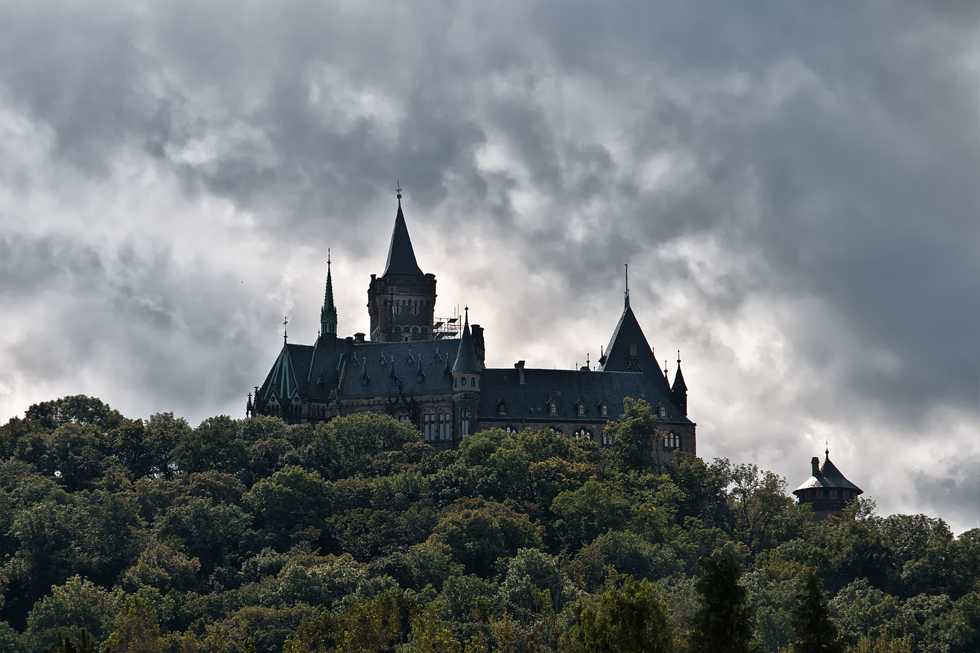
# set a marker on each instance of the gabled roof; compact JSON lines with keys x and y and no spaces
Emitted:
{"x":401,"y":255}
{"x":828,"y":476}
{"x":627,"y":333}
{"x":300,"y":367}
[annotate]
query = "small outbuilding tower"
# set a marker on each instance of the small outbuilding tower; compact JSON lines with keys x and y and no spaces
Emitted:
{"x":827,"y":490}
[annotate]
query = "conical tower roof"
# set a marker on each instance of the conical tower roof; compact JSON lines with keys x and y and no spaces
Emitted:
{"x":466,"y":360}
{"x":401,"y":255}
{"x":828,"y":476}
{"x":679,"y":385}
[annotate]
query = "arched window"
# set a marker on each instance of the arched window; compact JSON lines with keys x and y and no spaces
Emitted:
{"x":552,"y":408}
{"x":604,"y":409}
{"x":429,"y":426}
{"x":583,"y":433}
{"x":464,"y":421}
{"x":463,"y":378}
{"x":403,"y":418}
{"x":509,"y":429}
{"x":444,"y":422}
{"x":581,"y":409}
{"x":472,"y":381}
{"x":663,"y":411}
{"x":501,"y":407}
{"x":672,"y":441}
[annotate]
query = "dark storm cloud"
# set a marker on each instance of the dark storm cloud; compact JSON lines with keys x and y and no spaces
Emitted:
{"x":827,"y":152}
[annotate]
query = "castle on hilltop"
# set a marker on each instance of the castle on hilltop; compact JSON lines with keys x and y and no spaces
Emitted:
{"x":431,"y":372}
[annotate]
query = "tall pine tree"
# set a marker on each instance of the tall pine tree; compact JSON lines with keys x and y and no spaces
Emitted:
{"x":815,"y":632}
{"x":723,"y":622}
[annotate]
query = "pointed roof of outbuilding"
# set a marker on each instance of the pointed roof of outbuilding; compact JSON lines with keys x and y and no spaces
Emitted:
{"x":466,"y":360}
{"x":401,"y":255}
{"x":282,"y":378}
{"x":617,"y":354}
{"x":828,"y":476}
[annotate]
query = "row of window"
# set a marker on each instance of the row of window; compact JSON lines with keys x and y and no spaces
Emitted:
{"x":434,"y":430}
{"x":462,"y":380}
{"x":580,"y":408}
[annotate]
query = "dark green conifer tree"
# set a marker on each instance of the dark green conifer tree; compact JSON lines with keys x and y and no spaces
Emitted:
{"x":815,"y":632}
{"x":723,"y":622}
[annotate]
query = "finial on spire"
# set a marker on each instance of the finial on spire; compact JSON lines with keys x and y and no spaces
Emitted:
{"x":285,"y":321}
{"x":627,"y":294}
{"x":398,"y":192}
{"x":827,"y":450}
{"x":678,"y":356}
{"x":666,"y":373}
{"x":467,"y":317}
{"x":328,"y":260}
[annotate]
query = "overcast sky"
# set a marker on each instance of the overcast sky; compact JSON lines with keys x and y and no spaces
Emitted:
{"x":795,"y":186}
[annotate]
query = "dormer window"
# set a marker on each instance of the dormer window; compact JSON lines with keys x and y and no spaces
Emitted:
{"x":552,"y":408}
{"x":603,"y":409}
{"x":501,"y":407}
{"x":663,"y":411}
{"x":581,"y":409}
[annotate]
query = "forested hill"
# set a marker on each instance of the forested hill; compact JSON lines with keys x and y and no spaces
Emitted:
{"x":250,"y":535}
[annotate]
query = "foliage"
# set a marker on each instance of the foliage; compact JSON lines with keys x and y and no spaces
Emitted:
{"x":626,"y":619}
{"x":815,"y":632}
{"x":723,"y":622}
{"x":238,"y":535}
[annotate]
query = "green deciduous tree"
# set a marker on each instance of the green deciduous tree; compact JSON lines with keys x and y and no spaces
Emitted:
{"x":635,"y":436}
{"x":137,"y":630}
{"x":588,"y":512}
{"x":626,"y":619}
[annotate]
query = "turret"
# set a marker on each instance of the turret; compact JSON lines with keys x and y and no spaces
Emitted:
{"x":827,"y":491}
{"x":679,"y":390}
{"x":467,"y":371}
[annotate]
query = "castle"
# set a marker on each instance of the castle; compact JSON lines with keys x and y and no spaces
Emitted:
{"x":431,"y":372}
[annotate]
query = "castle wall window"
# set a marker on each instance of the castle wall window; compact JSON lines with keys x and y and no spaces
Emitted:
{"x":464,"y":421}
{"x":444,"y":420}
{"x":672,"y":441}
{"x":429,"y":426}
{"x":472,"y":381}
{"x":403,"y":418}
{"x":464,"y":381}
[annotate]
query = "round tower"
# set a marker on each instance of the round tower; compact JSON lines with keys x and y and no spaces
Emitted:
{"x":827,"y":491}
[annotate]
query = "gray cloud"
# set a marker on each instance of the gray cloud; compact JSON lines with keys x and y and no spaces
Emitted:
{"x":794,"y":185}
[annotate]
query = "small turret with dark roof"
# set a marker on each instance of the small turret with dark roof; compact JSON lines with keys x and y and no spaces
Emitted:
{"x":679,"y":389}
{"x":466,"y":358}
{"x":826,"y":490}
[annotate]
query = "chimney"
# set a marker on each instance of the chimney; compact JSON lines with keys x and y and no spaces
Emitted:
{"x":519,"y":366}
{"x":476,"y":332}
{"x":815,"y":464}
{"x":358,"y":337}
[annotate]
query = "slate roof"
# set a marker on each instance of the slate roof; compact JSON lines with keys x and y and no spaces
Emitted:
{"x":312,"y":369}
{"x":828,"y":476}
{"x":628,"y":332}
{"x":401,"y":255}
{"x":394,"y":366}
{"x":679,"y":385}
{"x":466,"y":360}
{"x":566,"y":388}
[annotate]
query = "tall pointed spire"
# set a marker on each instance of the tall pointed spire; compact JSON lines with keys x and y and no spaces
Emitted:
{"x":401,"y":255}
{"x":328,"y":314}
{"x":679,"y":389}
{"x":626,"y":303}
{"x":466,"y":360}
